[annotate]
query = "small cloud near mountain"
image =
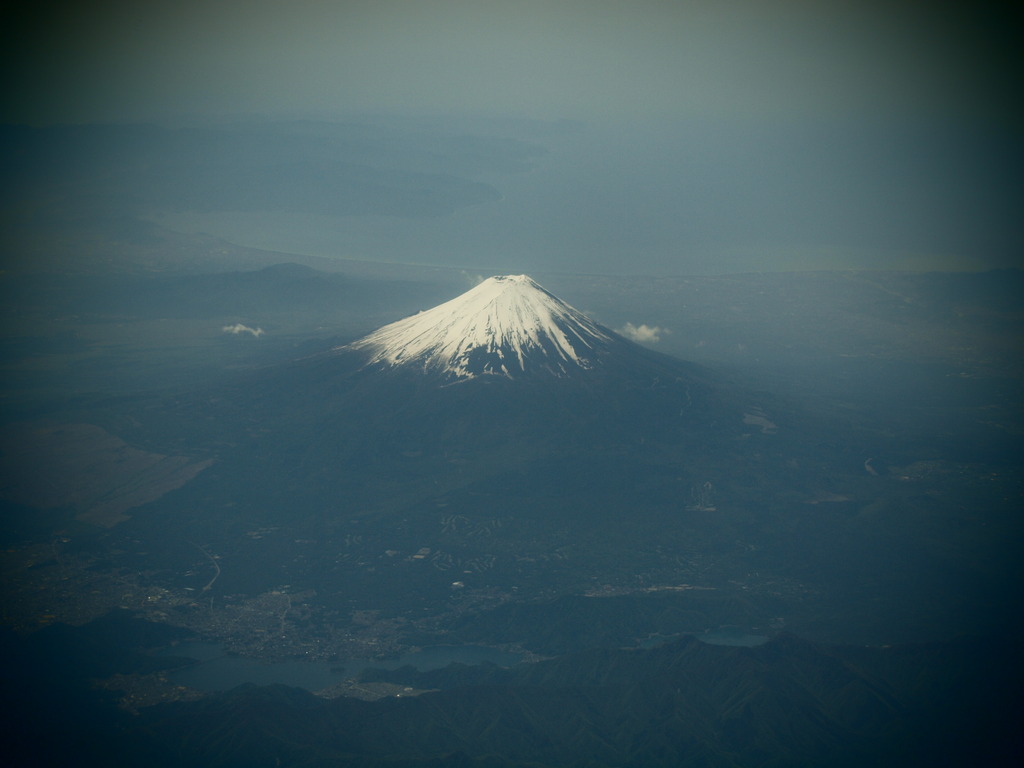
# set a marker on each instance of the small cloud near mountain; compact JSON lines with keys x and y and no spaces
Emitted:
{"x":643,"y":333}
{"x":238,"y":328}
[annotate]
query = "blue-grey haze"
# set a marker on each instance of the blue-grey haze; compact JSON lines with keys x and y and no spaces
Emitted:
{"x":719,"y":137}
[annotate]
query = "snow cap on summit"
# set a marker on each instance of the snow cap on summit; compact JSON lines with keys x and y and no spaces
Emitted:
{"x":507,"y":325}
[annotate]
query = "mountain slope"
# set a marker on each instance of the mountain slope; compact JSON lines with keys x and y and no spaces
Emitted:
{"x":538,"y":389}
{"x":533,"y":480}
{"x":506,"y":325}
{"x":530,"y":370}
{"x":788,"y":702}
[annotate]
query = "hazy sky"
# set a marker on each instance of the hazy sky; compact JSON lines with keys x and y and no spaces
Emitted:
{"x":792,"y":59}
{"x":860,"y":81}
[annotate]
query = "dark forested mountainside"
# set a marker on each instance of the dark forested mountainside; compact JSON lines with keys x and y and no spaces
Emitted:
{"x":685,"y":703}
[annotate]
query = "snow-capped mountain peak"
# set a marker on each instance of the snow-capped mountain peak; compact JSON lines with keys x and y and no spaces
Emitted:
{"x":505,"y":326}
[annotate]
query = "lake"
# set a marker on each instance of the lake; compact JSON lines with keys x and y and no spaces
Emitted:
{"x":217,"y":670}
{"x":720,"y":636}
{"x":730,"y":636}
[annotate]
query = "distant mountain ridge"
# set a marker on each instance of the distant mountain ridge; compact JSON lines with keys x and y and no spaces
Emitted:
{"x":788,"y":702}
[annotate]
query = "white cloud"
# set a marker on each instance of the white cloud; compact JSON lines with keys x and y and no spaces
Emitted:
{"x":474,"y":278}
{"x":643,"y":333}
{"x":238,"y":328}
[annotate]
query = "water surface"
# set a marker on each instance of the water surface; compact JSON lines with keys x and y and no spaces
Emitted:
{"x":217,"y":670}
